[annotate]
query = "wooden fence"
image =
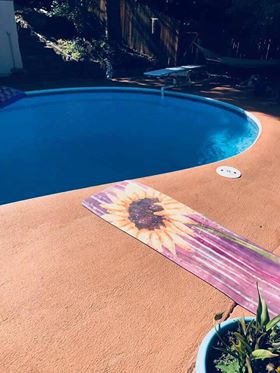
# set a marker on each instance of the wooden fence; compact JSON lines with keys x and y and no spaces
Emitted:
{"x":152,"y":33}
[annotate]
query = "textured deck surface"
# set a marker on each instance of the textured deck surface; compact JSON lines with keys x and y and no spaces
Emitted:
{"x":78,"y":295}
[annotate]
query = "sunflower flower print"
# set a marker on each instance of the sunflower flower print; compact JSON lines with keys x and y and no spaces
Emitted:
{"x":150,"y":216}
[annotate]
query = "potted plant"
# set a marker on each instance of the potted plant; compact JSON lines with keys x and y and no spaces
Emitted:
{"x":242,"y":345}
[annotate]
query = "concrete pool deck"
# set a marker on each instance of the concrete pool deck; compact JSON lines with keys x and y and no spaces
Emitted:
{"x":78,"y":295}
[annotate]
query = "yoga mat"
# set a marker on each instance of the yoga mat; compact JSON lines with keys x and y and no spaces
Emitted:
{"x":9,"y":95}
{"x":225,"y":260}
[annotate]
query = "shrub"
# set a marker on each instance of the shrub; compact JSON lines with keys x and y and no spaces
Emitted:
{"x":254,"y":347}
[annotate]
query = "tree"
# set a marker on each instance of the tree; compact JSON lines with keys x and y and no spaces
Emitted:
{"x":82,"y":14}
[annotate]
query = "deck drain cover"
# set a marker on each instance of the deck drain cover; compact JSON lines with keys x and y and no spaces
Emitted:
{"x":229,"y":172}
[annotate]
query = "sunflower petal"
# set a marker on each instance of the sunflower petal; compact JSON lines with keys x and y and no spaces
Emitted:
{"x":179,"y":217}
{"x":155,"y":242}
{"x":167,"y":242}
{"x":144,"y":235}
{"x":112,"y":218}
{"x":181,"y":242}
{"x":131,"y":229}
{"x":112,"y":207}
{"x":123,"y":213}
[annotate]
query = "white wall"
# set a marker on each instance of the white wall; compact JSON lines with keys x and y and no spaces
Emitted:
{"x":10,"y":57}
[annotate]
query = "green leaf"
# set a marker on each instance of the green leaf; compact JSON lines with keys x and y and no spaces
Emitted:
{"x":263,"y":354}
{"x":257,"y":346}
{"x":243,"y":325}
{"x":239,"y":347}
{"x":220,"y":337}
{"x":226,"y":351}
{"x":243,"y":341}
{"x":232,"y":367}
{"x":271,"y":324}
{"x":248,"y":365}
{"x":262,"y":311}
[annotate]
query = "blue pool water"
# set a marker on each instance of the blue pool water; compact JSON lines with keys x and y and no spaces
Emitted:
{"x":55,"y":141}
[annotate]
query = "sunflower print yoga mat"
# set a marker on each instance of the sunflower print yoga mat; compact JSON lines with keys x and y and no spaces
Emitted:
{"x":225,"y":260}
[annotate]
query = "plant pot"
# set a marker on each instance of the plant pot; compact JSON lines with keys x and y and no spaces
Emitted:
{"x":206,"y":354}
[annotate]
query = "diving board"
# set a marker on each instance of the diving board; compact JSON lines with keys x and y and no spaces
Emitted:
{"x":180,"y":75}
{"x":173,"y":71}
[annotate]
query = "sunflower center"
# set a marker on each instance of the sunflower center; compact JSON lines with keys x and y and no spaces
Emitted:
{"x":142,"y":213}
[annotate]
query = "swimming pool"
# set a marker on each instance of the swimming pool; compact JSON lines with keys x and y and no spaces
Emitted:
{"x":58,"y":140}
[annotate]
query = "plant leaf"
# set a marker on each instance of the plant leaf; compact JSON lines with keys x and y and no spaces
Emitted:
{"x":243,"y":341}
{"x":243,"y":325}
{"x":232,"y":367}
{"x":262,"y":311}
{"x":232,"y":353}
{"x":272,"y":323}
{"x":217,"y":332}
{"x":257,"y":345}
{"x":263,"y":354}
{"x":248,"y":365}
